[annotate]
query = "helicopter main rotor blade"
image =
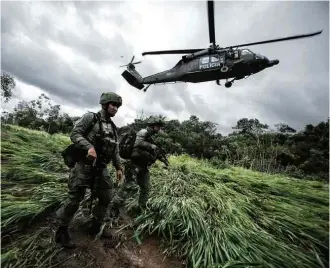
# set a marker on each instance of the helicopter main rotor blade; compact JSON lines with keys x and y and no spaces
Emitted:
{"x":278,"y":39}
{"x":210,"y":13}
{"x":178,"y":51}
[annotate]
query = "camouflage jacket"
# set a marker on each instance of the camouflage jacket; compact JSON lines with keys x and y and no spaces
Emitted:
{"x":89,"y":140}
{"x":142,"y":149}
{"x":143,"y":139}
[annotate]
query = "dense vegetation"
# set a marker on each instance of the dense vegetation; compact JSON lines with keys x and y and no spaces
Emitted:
{"x":252,"y":144}
{"x":225,"y":216}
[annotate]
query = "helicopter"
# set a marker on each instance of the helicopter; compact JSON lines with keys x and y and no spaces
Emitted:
{"x":214,"y":63}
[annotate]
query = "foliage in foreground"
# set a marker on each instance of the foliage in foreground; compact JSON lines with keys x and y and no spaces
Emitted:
{"x":221,"y":217}
{"x":231,"y":216}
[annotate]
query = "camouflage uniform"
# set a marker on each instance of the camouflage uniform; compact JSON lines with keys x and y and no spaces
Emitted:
{"x":137,"y":168}
{"x":83,"y":172}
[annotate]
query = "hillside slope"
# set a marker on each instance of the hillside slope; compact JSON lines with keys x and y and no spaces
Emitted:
{"x":211,"y":217}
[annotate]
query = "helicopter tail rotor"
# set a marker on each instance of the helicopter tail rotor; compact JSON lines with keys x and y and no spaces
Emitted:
{"x":132,"y":76}
{"x":131,"y":63}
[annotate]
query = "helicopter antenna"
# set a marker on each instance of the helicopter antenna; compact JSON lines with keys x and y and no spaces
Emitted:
{"x":210,"y":13}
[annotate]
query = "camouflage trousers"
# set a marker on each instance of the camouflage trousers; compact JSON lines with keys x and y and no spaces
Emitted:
{"x":80,"y":178}
{"x":136,"y":177}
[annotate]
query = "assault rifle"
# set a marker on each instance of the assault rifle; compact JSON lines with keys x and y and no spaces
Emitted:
{"x":161,"y":153}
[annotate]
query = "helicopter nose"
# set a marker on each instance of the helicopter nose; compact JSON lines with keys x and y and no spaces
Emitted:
{"x":273,"y":62}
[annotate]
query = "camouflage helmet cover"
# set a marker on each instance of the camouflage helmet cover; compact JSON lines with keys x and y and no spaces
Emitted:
{"x":107,"y":97}
{"x":156,"y":121}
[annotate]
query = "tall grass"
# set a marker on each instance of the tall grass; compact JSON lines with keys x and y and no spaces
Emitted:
{"x":31,"y":187}
{"x":219,"y":218}
{"x":229,"y":217}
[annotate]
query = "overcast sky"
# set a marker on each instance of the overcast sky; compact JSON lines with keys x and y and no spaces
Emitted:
{"x":72,"y":51}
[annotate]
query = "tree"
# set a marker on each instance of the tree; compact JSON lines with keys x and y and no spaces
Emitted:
{"x":284,"y":128}
{"x":7,"y":85}
{"x":53,"y":115}
{"x":250,"y":126}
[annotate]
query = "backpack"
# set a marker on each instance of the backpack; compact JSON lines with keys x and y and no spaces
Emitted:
{"x":72,"y":153}
{"x":126,"y":144}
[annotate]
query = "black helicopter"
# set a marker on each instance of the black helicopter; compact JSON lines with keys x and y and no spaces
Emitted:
{"x":208,"y":64}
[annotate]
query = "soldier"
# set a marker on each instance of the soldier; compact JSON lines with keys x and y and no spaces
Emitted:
{"x":144,"y":154}
{"x":101,"y":147}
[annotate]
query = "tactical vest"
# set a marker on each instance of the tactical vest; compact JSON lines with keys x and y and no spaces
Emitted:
{"x":105,"y":143}
{"x":105,"y":140}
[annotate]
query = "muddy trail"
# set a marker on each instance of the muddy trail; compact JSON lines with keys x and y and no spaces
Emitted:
{"x":121,"y":250}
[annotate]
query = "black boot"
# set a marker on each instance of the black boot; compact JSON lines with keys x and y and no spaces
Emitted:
{"x":62,"y":237}
{"x":94,"y":227}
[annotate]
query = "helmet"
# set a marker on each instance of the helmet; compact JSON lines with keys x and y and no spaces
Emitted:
{"x":156,"y":121}
{"x":107,"y":97}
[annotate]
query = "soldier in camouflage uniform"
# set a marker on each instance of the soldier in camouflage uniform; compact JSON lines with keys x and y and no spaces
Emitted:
{"x":144,"y":154}
{"x":82,"y":174}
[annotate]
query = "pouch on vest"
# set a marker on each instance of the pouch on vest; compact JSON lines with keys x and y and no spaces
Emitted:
{"x":72,"y":154}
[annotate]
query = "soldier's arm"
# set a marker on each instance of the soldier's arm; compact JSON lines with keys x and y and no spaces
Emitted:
{"x":79,"y":129}
{"x":141,"y":139}
{"x":116,"y":160}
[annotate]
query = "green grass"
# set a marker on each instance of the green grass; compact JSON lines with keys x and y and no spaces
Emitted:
{"x":229,"y":217}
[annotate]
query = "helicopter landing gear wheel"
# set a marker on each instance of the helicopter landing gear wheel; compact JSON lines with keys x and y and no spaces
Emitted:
{"x":224,"y":69}
{"x":228,"y":84}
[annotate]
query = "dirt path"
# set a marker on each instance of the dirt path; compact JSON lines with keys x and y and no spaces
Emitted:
{"x":120,"y":251}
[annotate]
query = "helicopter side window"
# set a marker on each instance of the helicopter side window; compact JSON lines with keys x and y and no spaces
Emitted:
{"x":236,"y":54}
{"x":214,"y":58}
{"x":205,"y":60}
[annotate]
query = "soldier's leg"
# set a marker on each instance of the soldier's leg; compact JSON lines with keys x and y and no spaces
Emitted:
{"x":77,"y":184}
{"x":103,"y":191}
{"x":128,"y":188}
{"x":143,"y":179}
{"x":123,"y":193}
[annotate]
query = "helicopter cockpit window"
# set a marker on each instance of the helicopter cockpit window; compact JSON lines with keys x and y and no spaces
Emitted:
{"x":214,"y":58}
{"x":246,"y":52}
{"x":205,"y":60}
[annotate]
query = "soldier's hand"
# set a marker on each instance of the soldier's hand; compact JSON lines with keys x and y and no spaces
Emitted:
{"x":120,"y":177}
{"x":91,"y":153}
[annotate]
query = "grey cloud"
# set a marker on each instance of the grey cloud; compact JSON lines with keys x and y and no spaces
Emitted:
{"x":37,"y":66}
{"x":34,"y":64}
{"x":166,"y":97}
{"x":92,"y":45}
{"x":295,"y":106}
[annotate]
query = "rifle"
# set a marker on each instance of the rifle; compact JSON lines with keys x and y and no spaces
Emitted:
{"x":161,"y":153}
{"x":94,"y":170}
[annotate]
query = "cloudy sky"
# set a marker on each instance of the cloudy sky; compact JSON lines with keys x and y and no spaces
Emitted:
{"x":72,"y":52}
